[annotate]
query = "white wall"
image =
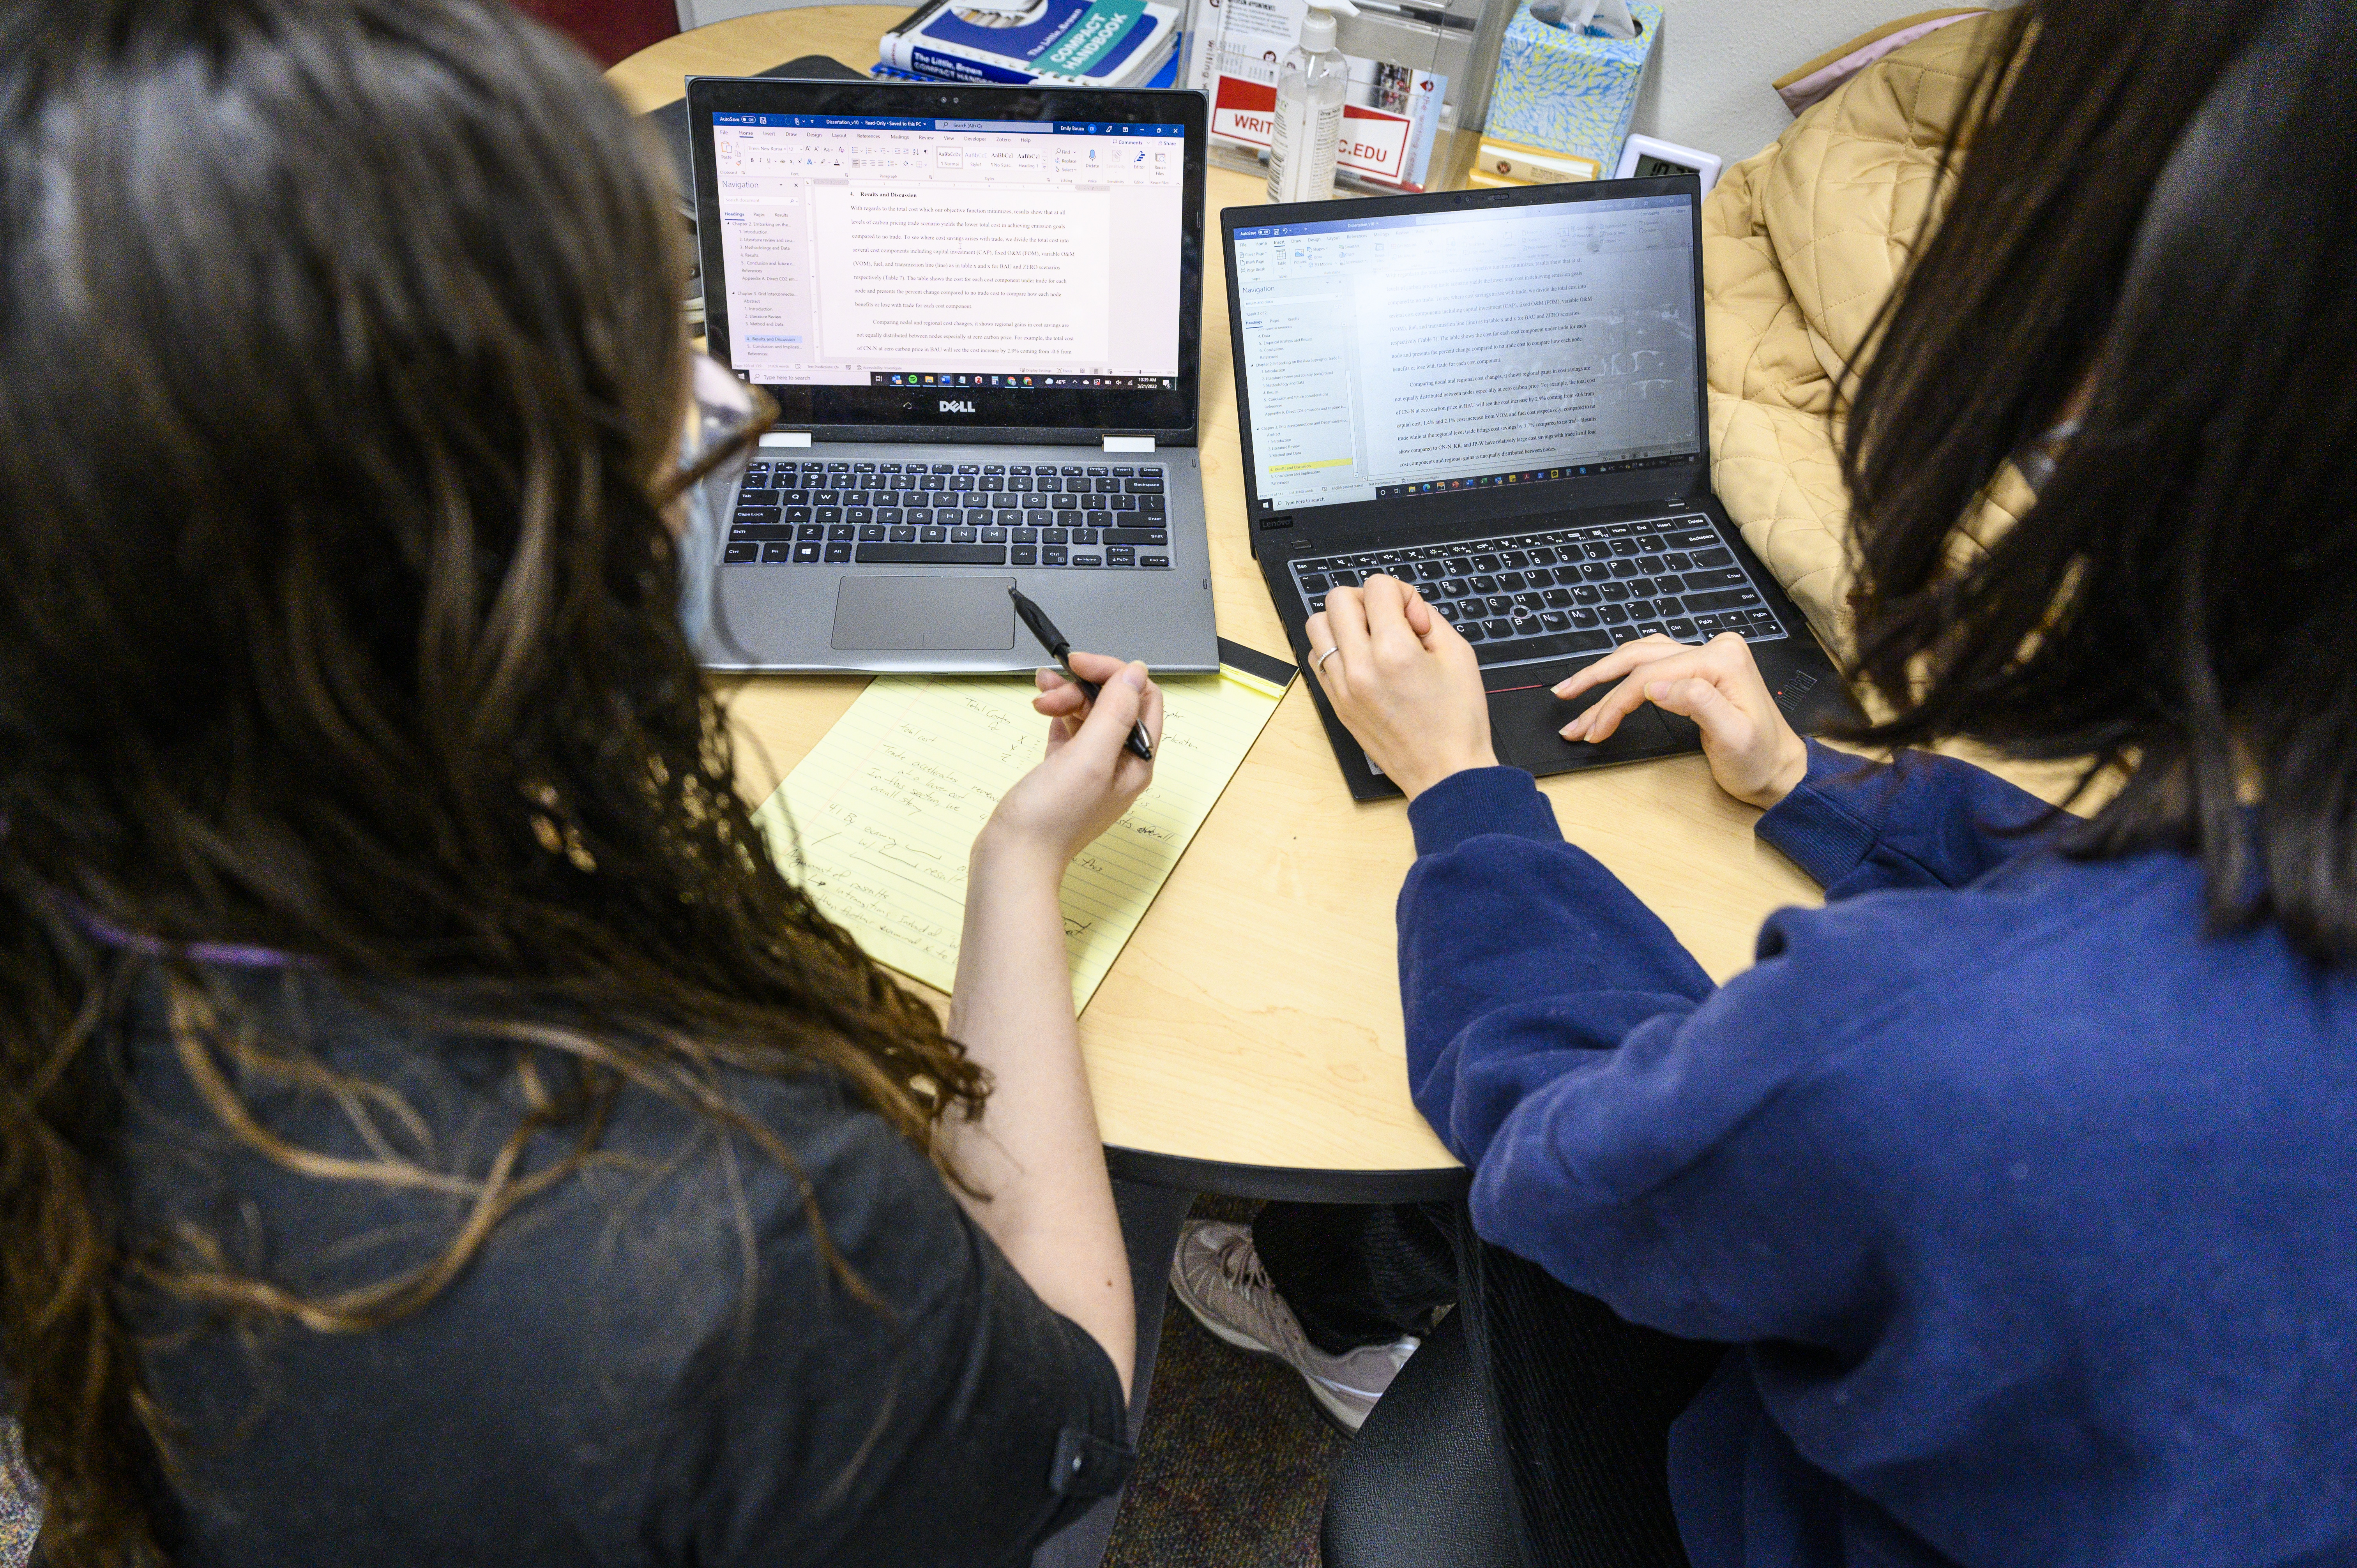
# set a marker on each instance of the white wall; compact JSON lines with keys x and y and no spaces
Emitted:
{"x":1707,"y":86}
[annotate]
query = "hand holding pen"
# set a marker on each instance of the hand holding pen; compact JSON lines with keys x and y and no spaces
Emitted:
{"x":1060,"y":648}
{"x":1091,"y":772}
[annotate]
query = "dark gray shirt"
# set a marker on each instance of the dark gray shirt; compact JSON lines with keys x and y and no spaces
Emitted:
{"x":650,"y":1364}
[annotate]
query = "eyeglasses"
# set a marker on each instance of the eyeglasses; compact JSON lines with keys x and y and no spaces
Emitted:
{"x":723,"y":427}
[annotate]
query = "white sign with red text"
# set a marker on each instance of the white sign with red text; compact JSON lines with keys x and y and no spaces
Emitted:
{"x":1389,"y":117}
{"x":1389,"y":148}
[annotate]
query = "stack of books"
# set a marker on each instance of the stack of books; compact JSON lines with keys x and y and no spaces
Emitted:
{"x":1071,"y":43}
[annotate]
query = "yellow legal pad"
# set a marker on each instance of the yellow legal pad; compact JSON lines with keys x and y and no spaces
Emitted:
{"x":876,"y":821}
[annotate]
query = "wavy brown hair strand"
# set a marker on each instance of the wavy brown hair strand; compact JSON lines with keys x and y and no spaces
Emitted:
{"x":340,"y":350}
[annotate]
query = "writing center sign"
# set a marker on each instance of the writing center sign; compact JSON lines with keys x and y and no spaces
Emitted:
{"x":1377,"y":145}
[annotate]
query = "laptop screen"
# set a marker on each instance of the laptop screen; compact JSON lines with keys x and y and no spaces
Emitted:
{"x":953,"y":262}
{"x":870,"y":251}
{"x":1430,"y":352}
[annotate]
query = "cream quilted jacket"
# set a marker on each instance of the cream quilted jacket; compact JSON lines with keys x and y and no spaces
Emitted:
{"x":1800,"y":246}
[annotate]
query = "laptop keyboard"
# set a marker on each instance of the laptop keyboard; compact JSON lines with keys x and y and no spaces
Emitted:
{"x":1549,"y":593}
{"x":794,"y":513}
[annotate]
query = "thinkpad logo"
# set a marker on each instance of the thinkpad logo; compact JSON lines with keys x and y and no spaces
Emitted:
{"x":949,"y":406}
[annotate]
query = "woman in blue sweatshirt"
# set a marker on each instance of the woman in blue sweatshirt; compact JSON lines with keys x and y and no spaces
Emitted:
{"x":2022,"y":1176}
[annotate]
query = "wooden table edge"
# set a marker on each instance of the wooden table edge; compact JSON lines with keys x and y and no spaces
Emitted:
{"x":1287,"y":1183}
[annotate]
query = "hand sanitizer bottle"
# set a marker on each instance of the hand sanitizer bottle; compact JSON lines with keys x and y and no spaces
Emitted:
{"x":1309,"y":89}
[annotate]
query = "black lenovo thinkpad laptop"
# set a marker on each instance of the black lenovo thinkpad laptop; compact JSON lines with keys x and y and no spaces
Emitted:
{"x":1498,"y":395}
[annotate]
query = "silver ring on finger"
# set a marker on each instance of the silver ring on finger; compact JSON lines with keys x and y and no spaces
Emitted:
{"x":1318,"y":665}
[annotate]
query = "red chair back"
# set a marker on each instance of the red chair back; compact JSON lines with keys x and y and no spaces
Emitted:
{"x":608,"y":29}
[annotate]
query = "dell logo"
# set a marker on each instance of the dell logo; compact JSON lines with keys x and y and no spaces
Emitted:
{"x":961,"y":407}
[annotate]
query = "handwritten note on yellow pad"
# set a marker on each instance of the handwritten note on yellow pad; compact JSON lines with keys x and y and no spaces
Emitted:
{"x":887,"y":803}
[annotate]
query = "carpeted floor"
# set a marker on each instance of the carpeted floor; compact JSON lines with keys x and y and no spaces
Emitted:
{"x":20,"y":1510}
{"x":1232,"y":1464}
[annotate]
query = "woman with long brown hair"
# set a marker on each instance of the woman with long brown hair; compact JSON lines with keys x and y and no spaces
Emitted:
{"x":2003,"y":1211}
{"x":432,"y":1130}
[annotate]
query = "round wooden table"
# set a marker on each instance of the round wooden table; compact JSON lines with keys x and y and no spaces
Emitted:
{"x":1249,"y":1039}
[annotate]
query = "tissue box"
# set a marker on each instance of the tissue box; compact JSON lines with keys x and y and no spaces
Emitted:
{"x":1570,"y":92}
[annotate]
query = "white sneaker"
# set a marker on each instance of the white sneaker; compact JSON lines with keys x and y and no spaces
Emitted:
{"x":1218,"y":1277}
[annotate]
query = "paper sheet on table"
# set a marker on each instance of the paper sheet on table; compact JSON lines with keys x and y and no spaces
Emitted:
{"x":885,"y":807}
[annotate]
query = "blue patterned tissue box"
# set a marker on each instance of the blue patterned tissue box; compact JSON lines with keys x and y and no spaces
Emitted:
{"x":1570,"y":92}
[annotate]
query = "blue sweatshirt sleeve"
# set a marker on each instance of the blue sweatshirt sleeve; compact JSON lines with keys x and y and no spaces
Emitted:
{"x":1922,"y":821}
{"x":1716,"y":1173}
{"x":1568,"y":1049}
{"x":1503,"y":922}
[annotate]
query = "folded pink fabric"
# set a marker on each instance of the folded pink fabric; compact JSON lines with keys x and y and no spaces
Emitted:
{"x":1800,"y":93}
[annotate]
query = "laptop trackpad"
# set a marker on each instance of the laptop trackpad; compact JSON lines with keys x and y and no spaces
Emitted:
{"x":946,"y":613}
{"x":1523,"y":722}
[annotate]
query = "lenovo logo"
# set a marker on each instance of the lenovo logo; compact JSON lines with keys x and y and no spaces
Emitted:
{"x":949,"y":406}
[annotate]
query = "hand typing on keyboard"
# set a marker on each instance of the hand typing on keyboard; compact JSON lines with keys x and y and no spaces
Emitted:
{"x":1754,"y":752}
{"x":1403,"y":682}
{"x":1545,"y":592}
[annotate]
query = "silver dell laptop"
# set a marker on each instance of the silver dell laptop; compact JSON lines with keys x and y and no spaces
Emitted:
{"x":980,"y":310}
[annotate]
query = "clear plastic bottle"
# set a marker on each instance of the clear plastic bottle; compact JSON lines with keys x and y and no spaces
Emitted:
{"x":1310,"y":85}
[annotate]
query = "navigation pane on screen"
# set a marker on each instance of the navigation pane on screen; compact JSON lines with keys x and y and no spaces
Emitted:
{"x":865,"y":251}
{"x":1391,"y":355}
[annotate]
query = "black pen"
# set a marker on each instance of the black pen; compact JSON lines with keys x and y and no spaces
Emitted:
{"x":1060,"y":648}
